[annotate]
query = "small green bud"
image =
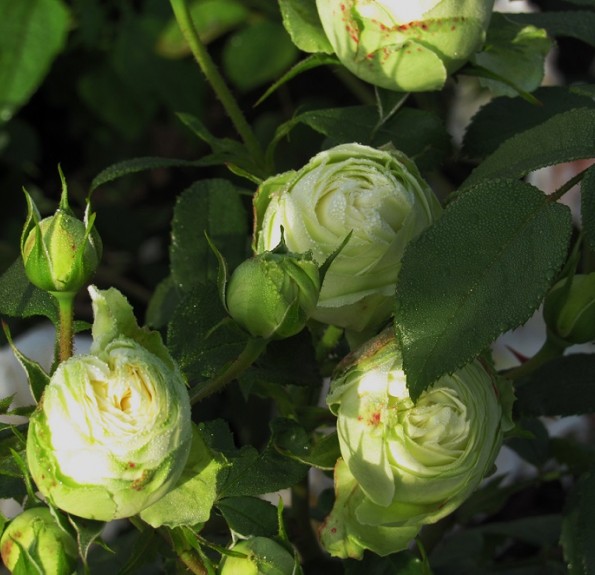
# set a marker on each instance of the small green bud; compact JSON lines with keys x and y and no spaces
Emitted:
{"x":60,"y":253}
{"x":273,"y":294}
{"x":262,"y":556}
{"x":569,"y":309}
{"x":35,"y":538}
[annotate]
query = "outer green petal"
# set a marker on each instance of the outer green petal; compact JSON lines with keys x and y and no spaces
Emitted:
{"x":404,"y":46}
{"x":342,"y":534}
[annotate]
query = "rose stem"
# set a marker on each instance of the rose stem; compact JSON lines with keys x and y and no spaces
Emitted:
{"x":65,"y":329}
{"x":254,"y":348}
{"x":206,"y":64}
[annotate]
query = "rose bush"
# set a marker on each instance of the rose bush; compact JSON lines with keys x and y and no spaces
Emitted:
{"x":407,"y":464}
{"x":378,"y":195}
{"x":112,"y":432}
{"x":404,"y":46}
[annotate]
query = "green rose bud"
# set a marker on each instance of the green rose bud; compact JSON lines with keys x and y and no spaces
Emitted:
{"x":378,"y":195}
{"x":569,"y":309}
{"x":272,"y":295}
{"x":60,"y":253}
{"x":414,"y":462}
{"x":405,"y":46}
{"x":262,"y":556}
{"x":34,"y":539}
{"x":112,"y":431}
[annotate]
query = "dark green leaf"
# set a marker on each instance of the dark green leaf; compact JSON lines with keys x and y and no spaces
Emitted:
{"x":87,"y":532}
{"x":258,"y":54}
{"x":249,"y":516}
{"x":212,"y":19}
{"x":577,"y":24}
{"x":419,"y":134}
{"x":588,"y":206}
{"x":225,"y":150}
{"x":487,"y":130}
{"x":253,"y":473}
{"x":293,"y":440}
{"x":533,"y":446}
{"x":312,"y":61}
{"x":135,"y":165}
{"x":32,"y":33}
{"x":163,"y":304}
{"x":404,"y":563}
{"x":213,"y":207}
{"x":12,"y":487}
{"x":480,"y":270}
{"x":563,"y":386}
{"x":578,"y":527}
{"x":565,"y":137}
{"x":201,"y":337}
{"x":20,"y":298}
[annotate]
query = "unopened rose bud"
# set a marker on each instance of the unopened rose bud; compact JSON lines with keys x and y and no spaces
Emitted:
{"x":272,"y":295}
{"x":262,"y":556}
{"x":569,"y":310}
{"x":34,"y":539}
{"x":60,"y":253}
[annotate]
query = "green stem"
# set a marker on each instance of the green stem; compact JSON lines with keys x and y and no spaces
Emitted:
{"x":206,"y":64}
{"x":254,"y":348}
{"x":554,"y":197}
{"x":551,"y":349}
{"x":305,"y":540}
{"x":65,"y":329}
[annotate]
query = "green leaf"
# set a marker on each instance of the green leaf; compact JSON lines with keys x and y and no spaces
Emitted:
{"x":201,"y":337}
{"x":292,"y":440}
{"x":563,"y":138}
{"x":134,"y":166}
{"x":163,"y":304}
{"x":577,"y":24}
{"x":514,"y":51}
{"x":255,"y":473}
{"x":225,"y":150}
{"x":419,"y":134}
{"x":20,"y":298}
{"x":87,"y":532}
{"x":36,"y":375}
{"x":564,"y":386}
{"x":403,"y":563}
{"x":487,"y":131}
{"x":249,"y":516}
{"x":258,"y":54}
{"x":32,"y":33}
{"x":481,"y":269}
{"x":302,"y":22}
{"x":211,"y":206}
{"x":578,"y":527}
{"x":212,"y":19}
{"x":312,"y":61}
{"x":588,"y":206}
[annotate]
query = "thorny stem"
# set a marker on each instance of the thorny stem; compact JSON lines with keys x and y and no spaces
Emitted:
{"x":65,"y":329}
{"x":206,"y":64}
{"x":254,"y":348}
